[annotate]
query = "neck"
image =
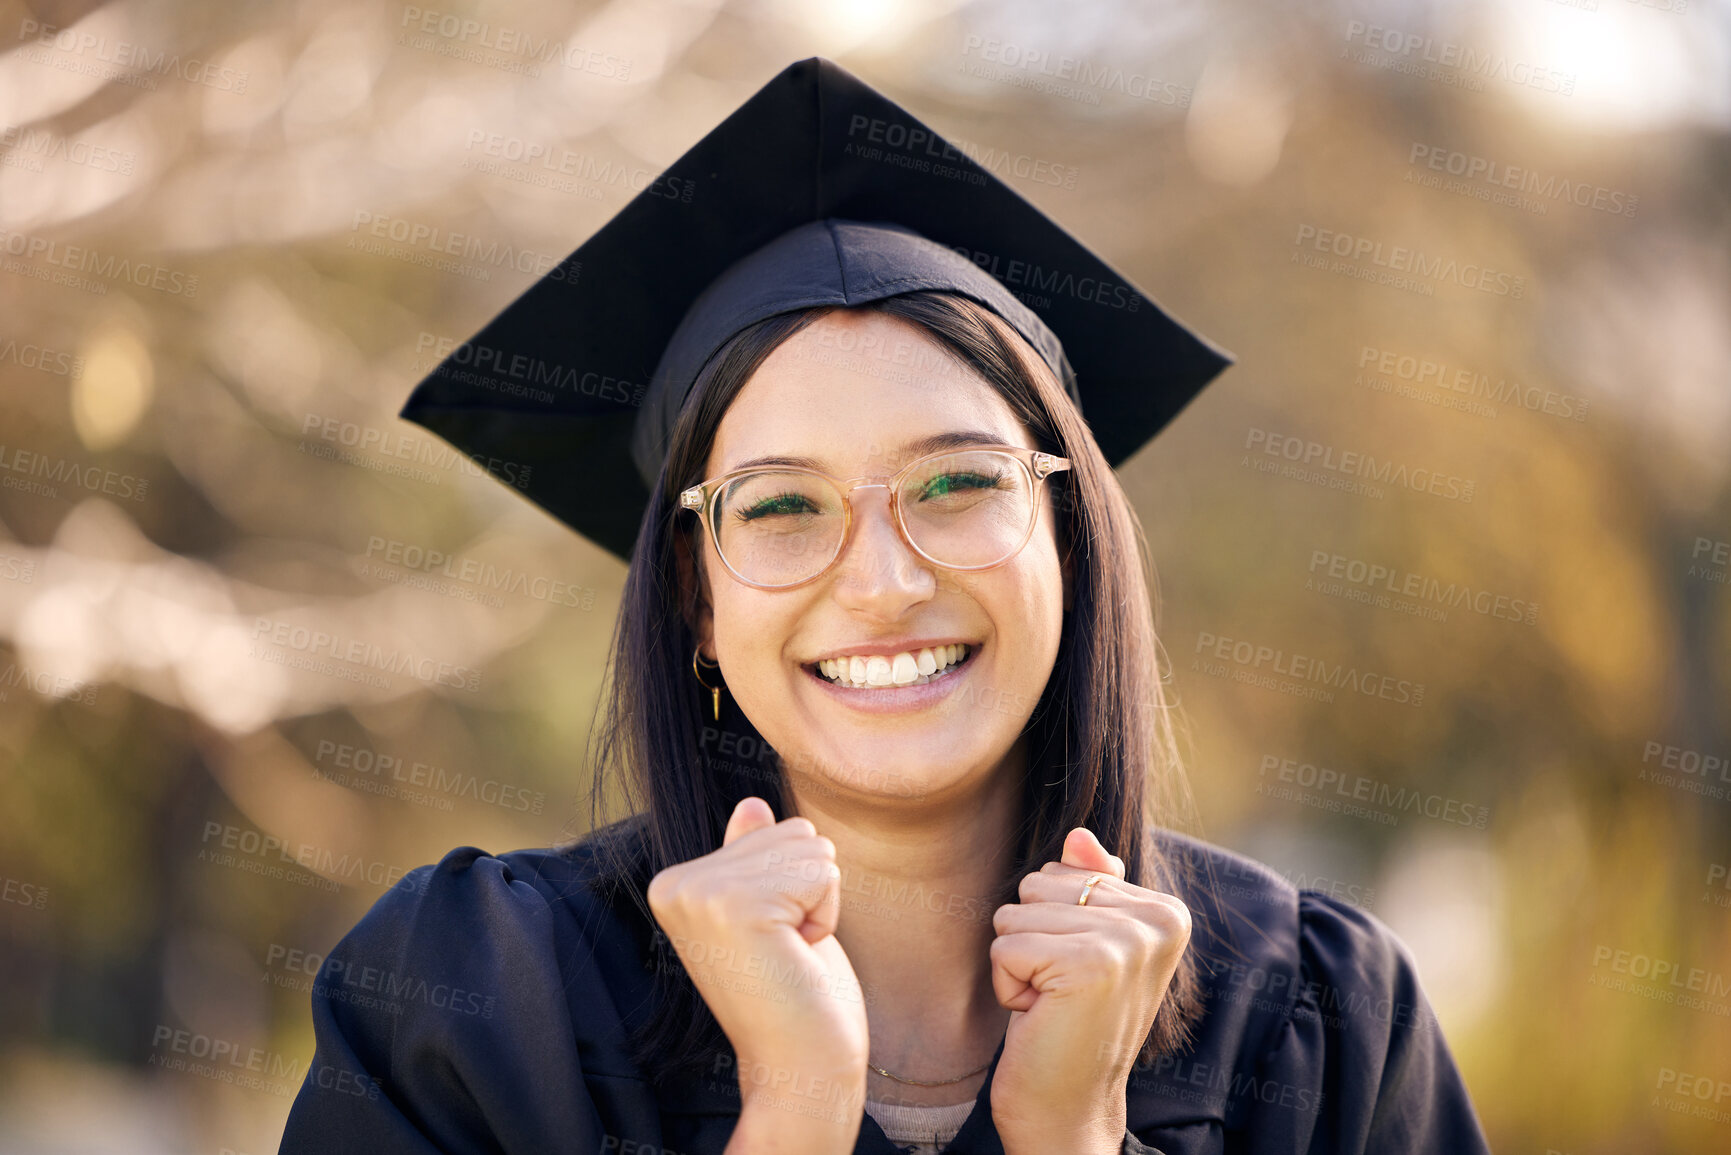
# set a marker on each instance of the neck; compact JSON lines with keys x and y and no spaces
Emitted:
{"x":917,"y":890}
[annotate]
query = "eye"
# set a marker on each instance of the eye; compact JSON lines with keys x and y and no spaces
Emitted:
{"x":781,"y":503}
{"x":948,"y":483}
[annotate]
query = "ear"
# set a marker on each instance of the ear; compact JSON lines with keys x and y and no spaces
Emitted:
{"x":1062,"y":526}
{"x":694,"y":600}
{"x":1068,"y":572}
{"x":1066,"y":563}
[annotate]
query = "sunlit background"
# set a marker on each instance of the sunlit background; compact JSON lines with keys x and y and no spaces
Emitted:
{"x":1484,"y":244}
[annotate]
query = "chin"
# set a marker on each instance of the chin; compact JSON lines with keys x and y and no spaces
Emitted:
{"x":907,"y":768}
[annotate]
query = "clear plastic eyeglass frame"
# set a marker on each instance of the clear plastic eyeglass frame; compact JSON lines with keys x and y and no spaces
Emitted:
{"x":1037,"y":466}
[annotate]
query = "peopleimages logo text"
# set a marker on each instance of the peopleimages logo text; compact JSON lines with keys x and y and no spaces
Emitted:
{"x":1032,"y":281}
{"x":1458,"y":58}
{"x":1101,"y":77}
{"x":1400,"y":259}
{"x":1550,"y":186}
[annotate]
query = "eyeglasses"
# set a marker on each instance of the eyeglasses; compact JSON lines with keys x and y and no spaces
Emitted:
{"x":963,"y":509}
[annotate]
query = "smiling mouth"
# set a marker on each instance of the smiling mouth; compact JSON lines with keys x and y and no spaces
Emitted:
{"x":920,"y":679}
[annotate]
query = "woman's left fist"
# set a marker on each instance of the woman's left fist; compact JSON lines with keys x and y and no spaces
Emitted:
{"x":1084,"y":983}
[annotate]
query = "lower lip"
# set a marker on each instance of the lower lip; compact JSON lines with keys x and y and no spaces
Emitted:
{"x":897,"y":699}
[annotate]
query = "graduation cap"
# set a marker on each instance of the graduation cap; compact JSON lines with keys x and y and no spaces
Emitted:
{"x":818,"y":190}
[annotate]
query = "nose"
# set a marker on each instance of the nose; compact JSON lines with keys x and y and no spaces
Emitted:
{"x":877,"y":575}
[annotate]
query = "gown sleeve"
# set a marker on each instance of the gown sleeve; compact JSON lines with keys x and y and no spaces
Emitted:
{"x":1360,"y":1064}
{"x":441,"y":1025}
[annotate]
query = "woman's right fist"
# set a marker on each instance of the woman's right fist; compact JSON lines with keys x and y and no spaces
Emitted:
{"x":754,"y":924}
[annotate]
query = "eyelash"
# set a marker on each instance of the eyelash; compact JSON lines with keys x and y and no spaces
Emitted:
{"x":762,"y":508}
{"x":766,"y":506}
{"x":991,"y":482}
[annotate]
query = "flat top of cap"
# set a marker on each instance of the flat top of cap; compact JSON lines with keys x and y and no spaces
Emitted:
{"x":548,"y":395}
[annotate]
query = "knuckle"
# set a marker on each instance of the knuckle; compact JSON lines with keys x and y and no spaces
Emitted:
{"x":1146,"y":937}
{"x":1096,"y":969}
{"x":1121,"y":957}
{"x":713,"y":902}
{"x":802,"y":827}
{"x":1171,"y":916}
{"x":663,"y":889}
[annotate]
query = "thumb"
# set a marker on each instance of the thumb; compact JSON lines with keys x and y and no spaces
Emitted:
{"x":752,"y":813}
{"x":1083,"y":851}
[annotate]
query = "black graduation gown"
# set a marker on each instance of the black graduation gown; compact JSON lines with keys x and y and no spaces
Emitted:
{"x":477,"y":1008}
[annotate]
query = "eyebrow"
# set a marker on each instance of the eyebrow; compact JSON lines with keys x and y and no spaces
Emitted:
{"x":918,"y":447}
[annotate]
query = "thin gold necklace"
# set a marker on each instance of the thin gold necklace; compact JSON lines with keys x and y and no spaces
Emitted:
{"x":924,"y":1083}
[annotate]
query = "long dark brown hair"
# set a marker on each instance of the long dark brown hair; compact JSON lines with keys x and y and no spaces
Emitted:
{"x":1102,"y":750}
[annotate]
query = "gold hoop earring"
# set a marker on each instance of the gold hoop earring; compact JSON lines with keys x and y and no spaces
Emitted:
{"x":714,"y":691}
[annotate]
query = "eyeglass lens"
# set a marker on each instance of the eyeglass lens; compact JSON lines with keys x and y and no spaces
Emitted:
{"x":972,"y":508}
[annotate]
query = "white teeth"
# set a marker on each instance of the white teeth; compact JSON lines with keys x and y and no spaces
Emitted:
{"x":908,"y":668}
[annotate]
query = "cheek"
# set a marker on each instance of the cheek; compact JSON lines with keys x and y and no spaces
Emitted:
{"x":1025,"y":604}
{"x":751,"y":628}
{"x":1040,"y":587}
{"x":1044,"y":622}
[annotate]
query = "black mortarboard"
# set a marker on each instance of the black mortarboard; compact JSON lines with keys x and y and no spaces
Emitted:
{"x":571,"y":391}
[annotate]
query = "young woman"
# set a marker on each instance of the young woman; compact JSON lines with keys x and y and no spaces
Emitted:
{"x":886,"y":712}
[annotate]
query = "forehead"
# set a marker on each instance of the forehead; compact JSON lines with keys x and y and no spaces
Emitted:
{"x":851,"y":391}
